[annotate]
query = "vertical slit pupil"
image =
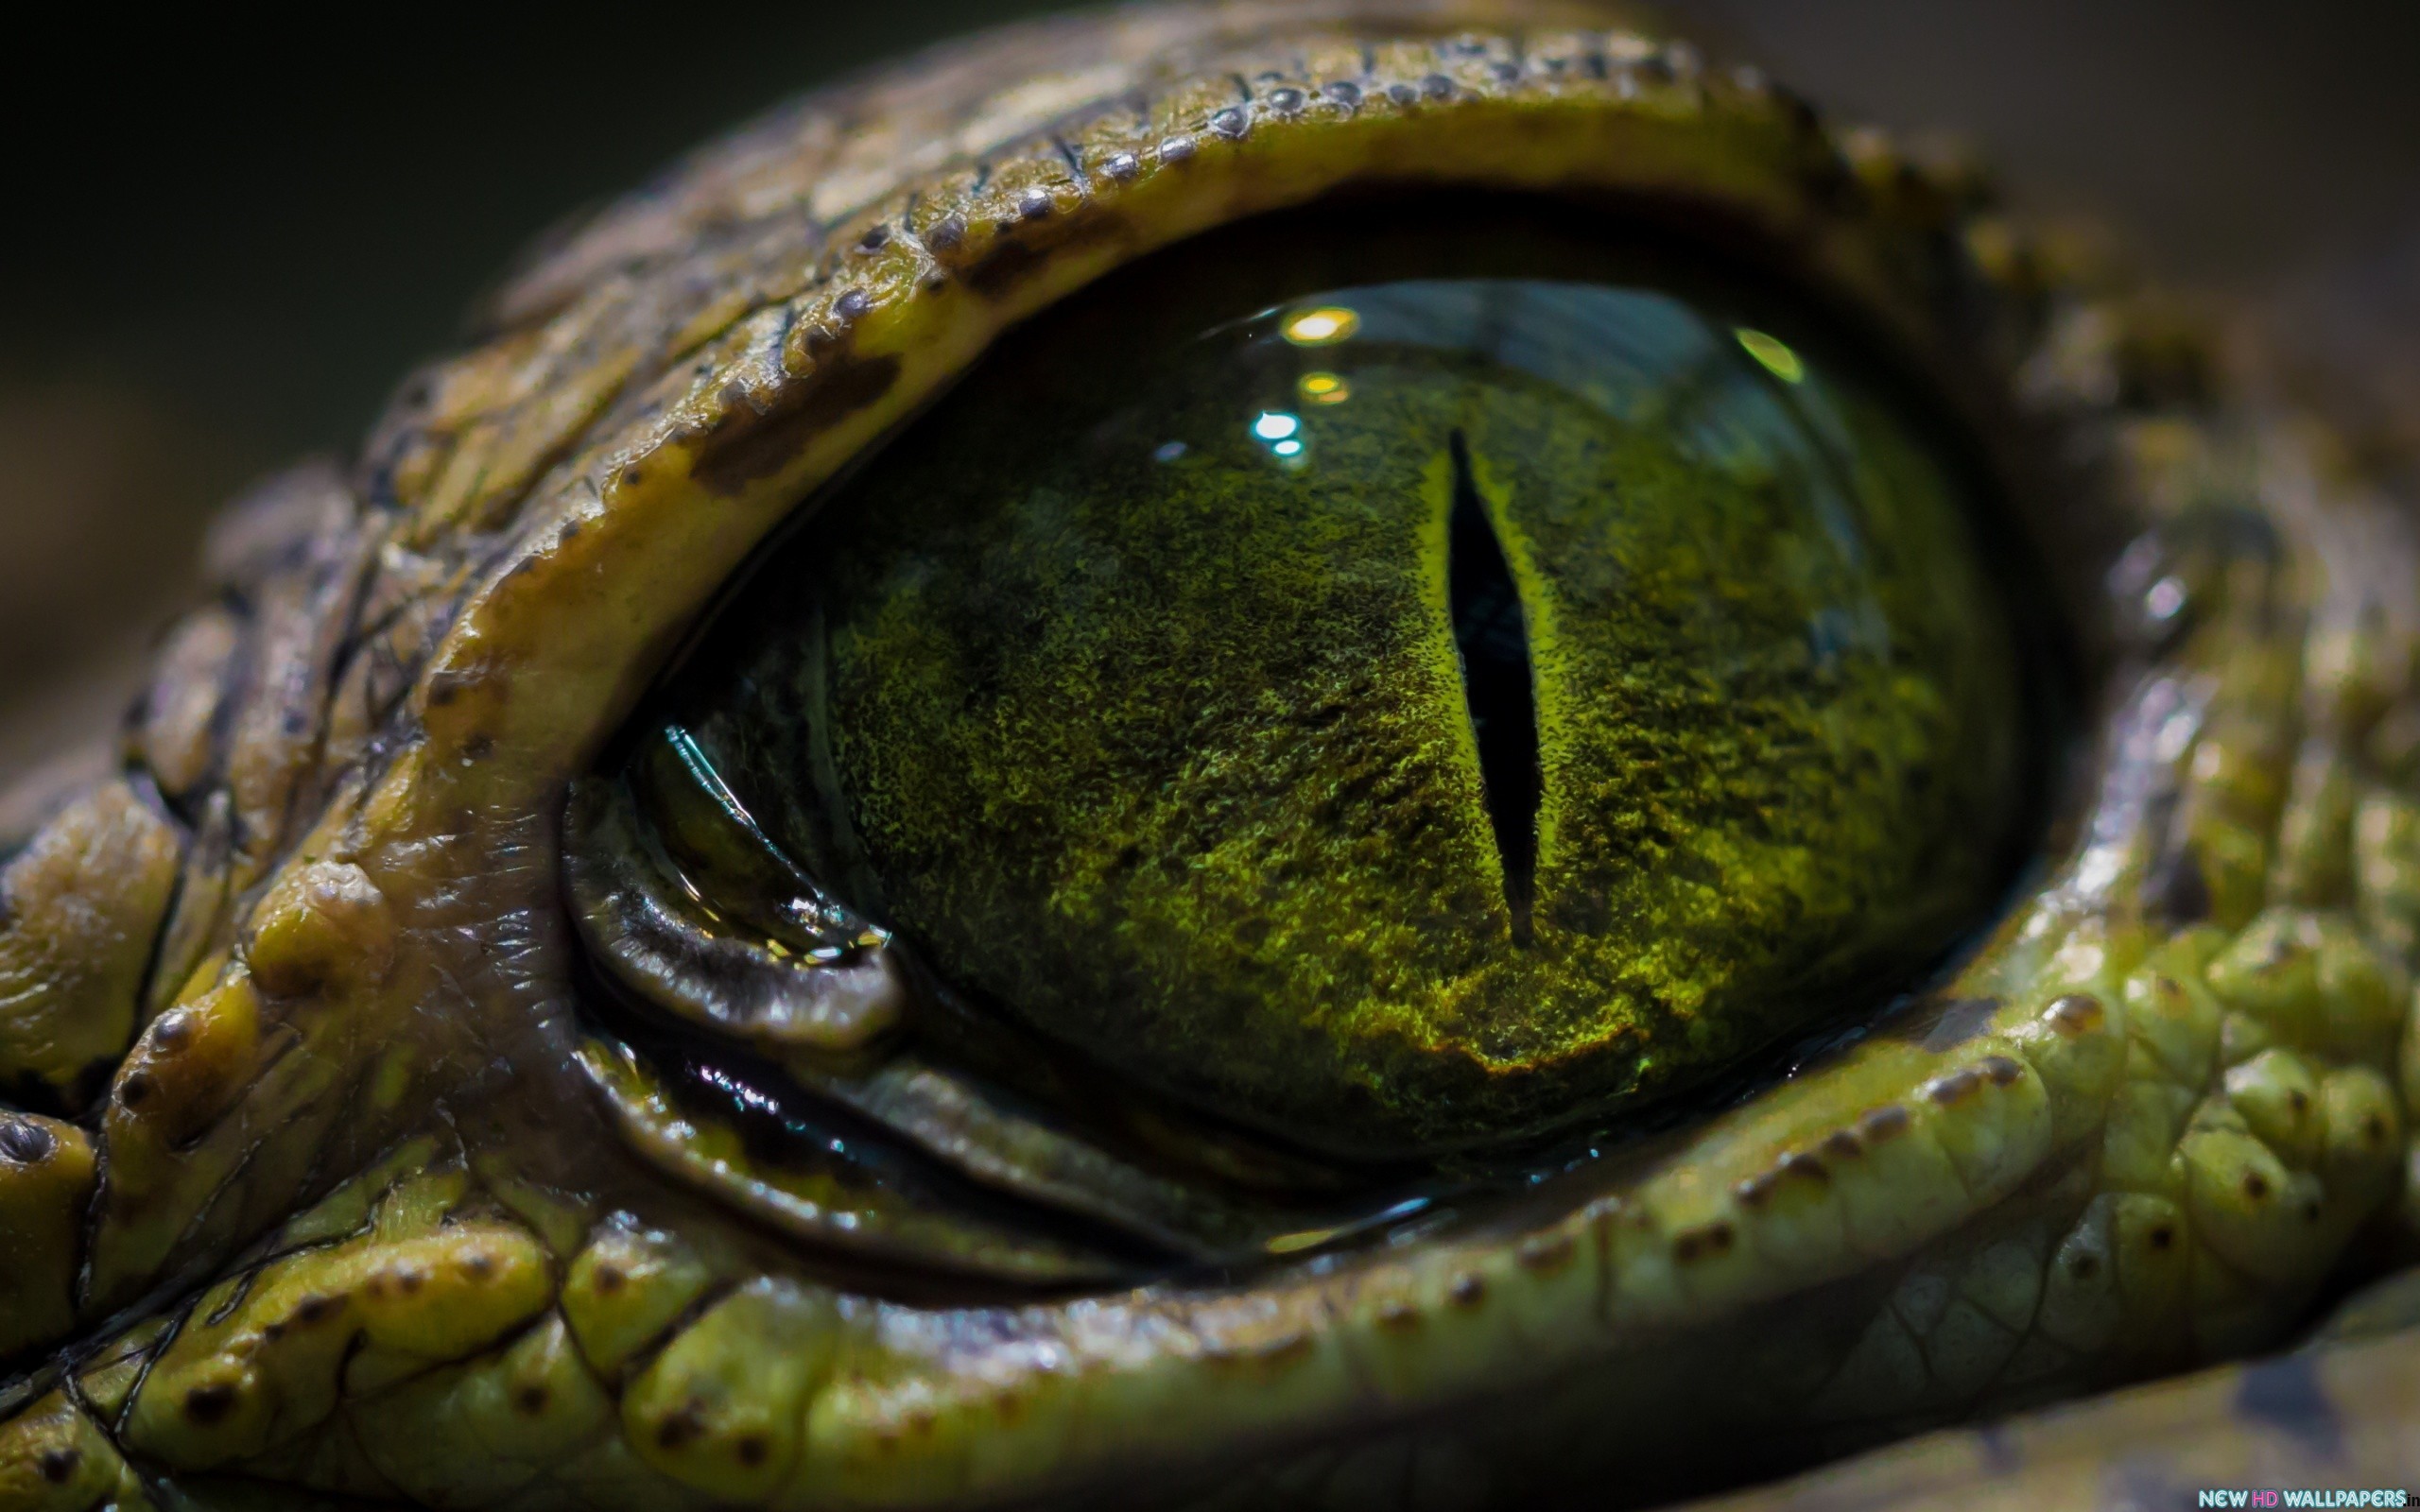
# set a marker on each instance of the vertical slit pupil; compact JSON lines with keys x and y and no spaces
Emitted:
{"x":1492,"y":634}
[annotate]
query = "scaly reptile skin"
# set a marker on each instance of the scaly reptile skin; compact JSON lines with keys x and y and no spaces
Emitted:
{"x":341,"y":1217}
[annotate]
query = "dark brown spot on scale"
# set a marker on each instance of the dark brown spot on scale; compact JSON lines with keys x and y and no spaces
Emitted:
{"x":531,"y":1399}
{"x":608,"y":1278}
{"x":819,"y":339}
{"x":748,"y":444}
{"x":2162,"y":1237}
{"x":1344,"y":92}
{"x":633,"y":476}
{"x":478,"y":1264}
{"x":57,"y":1465}
{"x":1033,"y":204}
{"x":1753,"y":1191}
{"x":2298,"y":1100}
{"x":1121,"y":165}
{"x":1402,"y":93}
{"x":2075,"y":1014}
{"x":945,"y":234}
{"x":1231,"y":123}
{"x":1956,"y":1087}
{"x":851,"y":306}
{"x":1013,"y":260}
{"x":1800,"y":1163}
{"x":1437,"y":86}
{"x":316,"y":1308}
{"x":1468,"y":1289}
{"x":1547,"y":1252}
{"x":2373,"y":1130}
{"x":409,"y":1280}
{"x":26,"y":1143}
{"x":209,"y":1405}
{"x":1692,"y":1245}
{"x":680,"y":1429}
{"x":1396,"y":1316}
{"x":2000,"y":1070}
{"x":2310,"y":1211}
{"x":1876,"y":1124}
{"x":1287,"y":101}
{"x":1843,"y":1144}
{"x":751,"y":1450}
{"x":135,"y":1091}
{"x":478,"y":747}
{"x":874,"y":240}
{"x":172,"y":1031}
{"x":2083,"y":1266}
{"x":1010,"y":261}
{"x":2256,"y":1186}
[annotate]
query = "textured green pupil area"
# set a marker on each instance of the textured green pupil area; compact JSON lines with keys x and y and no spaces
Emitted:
{"x":1415,"y":716}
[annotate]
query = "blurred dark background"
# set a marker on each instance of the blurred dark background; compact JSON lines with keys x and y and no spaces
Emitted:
{"x":227,"y":238}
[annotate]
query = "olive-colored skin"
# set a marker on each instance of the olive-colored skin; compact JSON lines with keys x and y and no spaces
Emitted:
{"x":352,"y":1207}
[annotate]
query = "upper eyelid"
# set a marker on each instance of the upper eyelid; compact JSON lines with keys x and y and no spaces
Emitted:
{"x":806,"y":365}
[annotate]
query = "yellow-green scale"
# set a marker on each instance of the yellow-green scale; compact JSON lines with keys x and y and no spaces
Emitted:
{"x":1145,"y":701}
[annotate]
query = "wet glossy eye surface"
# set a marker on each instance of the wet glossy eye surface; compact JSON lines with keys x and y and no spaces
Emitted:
{"x":1406,"y":716}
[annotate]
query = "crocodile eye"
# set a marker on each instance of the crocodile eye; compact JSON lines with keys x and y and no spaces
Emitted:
{"x":1416,"y":710}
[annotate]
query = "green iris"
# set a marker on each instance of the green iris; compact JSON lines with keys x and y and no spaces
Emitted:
{"x":1416,"y":715}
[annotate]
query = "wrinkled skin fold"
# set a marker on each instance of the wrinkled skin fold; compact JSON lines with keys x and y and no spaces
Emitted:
{"x":321,"y":1183}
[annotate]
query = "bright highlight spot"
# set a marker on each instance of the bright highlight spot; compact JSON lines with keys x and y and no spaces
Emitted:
{"x":1275,"y":426}
{"x":1287,"y":448}
{"x":1325,"y":388}
{"x":1322,"y":326}
{"x":1771,"y":354}
{"x":1296,"y":1242}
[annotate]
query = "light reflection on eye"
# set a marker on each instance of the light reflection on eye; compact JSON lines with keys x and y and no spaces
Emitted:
{"x":1325,"y":326}
{"x":1325,"y":389}
{"x":1771,"y":354}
